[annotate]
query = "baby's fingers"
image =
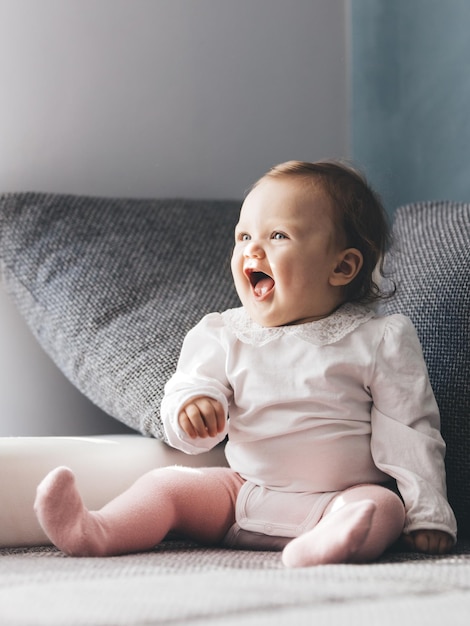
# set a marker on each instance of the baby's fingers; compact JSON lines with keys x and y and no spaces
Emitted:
{"x":219,"y":416}
{"x":202,"y":417}
{"x":429,"y":541}
{"x":212,"y":414}
{"x":191,"y":423}
{"x":440,"y":543}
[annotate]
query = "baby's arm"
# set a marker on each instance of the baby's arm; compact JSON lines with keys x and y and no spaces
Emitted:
{"x":202,"y":417}
{"x":191,"y":407}
{"x":406,"y":442}
{"x":430,"y":541}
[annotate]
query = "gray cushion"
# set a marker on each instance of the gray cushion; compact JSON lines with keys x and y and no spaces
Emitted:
{"x":110,"y":287}
{"x":430,"y":263}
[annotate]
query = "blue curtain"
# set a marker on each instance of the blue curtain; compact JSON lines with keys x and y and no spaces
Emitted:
{"x":410,"y":81}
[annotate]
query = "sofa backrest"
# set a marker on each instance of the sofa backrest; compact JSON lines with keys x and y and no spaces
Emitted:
{"x":430,"y":264}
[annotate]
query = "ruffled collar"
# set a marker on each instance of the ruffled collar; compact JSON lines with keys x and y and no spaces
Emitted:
{"x":320,"y":333}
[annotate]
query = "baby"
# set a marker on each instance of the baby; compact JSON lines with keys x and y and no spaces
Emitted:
{"x":334,"y":448}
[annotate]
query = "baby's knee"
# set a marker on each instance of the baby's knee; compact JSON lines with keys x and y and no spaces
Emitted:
{"x":390,"y":512}
{"x":390,"y":508}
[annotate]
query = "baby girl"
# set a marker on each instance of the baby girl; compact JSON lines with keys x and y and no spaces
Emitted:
{"x":332,"y":429}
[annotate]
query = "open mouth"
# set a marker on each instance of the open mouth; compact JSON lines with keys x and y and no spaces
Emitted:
{"x":261,"y":283}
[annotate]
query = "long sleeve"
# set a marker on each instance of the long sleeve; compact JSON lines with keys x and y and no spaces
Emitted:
{"x":406,"y":442}
{"x":200,"y":372}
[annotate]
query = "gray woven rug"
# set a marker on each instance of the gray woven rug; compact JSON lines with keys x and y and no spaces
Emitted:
{"x":178,"y":583}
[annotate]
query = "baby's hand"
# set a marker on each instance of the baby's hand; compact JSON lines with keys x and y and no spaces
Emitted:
{"x":202,"y":417}
{"x":430,"y":541}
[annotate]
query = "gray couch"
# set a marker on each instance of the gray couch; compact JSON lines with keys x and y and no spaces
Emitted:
{"x":109,"y":287}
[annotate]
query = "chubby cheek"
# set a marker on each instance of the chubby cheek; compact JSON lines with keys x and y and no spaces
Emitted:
{"x":236,"y":266}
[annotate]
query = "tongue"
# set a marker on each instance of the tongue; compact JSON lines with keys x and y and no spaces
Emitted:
{"x":263,"y":286}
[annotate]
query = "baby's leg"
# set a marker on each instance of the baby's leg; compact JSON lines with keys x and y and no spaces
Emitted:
{"x":357,"y":526}
{"x":197,"y":503}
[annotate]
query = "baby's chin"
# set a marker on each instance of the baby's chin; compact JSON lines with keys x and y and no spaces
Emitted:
{"x":275,"y":320}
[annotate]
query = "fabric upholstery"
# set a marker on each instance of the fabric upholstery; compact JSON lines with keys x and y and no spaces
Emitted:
{"x":187,"y":585}
{"x":430,"y":264}
{"x":110,"y":287}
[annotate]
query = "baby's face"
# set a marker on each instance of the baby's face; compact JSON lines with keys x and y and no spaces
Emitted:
{"x":286,"y":251}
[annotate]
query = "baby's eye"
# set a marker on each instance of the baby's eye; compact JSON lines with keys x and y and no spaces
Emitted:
{"x":278,"y":235}
{"x":243,"y":237}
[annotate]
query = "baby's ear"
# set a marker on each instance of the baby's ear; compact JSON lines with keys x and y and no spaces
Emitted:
{"x":348,"y":265}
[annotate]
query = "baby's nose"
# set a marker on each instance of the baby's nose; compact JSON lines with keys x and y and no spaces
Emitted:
{"x":253,"y":250}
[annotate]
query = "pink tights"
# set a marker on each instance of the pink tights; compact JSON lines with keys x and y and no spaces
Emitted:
{"x":358,"y":525}
{"x":196,"y":503}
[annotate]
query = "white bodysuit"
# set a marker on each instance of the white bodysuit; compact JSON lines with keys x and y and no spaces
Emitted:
{"x":314,"y":409}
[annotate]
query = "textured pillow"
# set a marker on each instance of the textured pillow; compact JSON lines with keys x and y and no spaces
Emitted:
{"x":110,"y":287}
{"x":430,"y":264}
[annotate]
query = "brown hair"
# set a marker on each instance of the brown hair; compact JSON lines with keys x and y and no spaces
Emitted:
{"x":363,"y":219}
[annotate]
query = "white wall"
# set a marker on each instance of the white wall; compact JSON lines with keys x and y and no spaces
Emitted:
{"x":159,"y":98}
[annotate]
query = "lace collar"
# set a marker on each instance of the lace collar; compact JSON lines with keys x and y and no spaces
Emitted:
{"x":321,"y":333}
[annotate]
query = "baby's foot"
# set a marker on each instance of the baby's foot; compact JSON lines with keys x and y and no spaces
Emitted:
{"x":63,"y":516}
{"x":337,"y":538}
